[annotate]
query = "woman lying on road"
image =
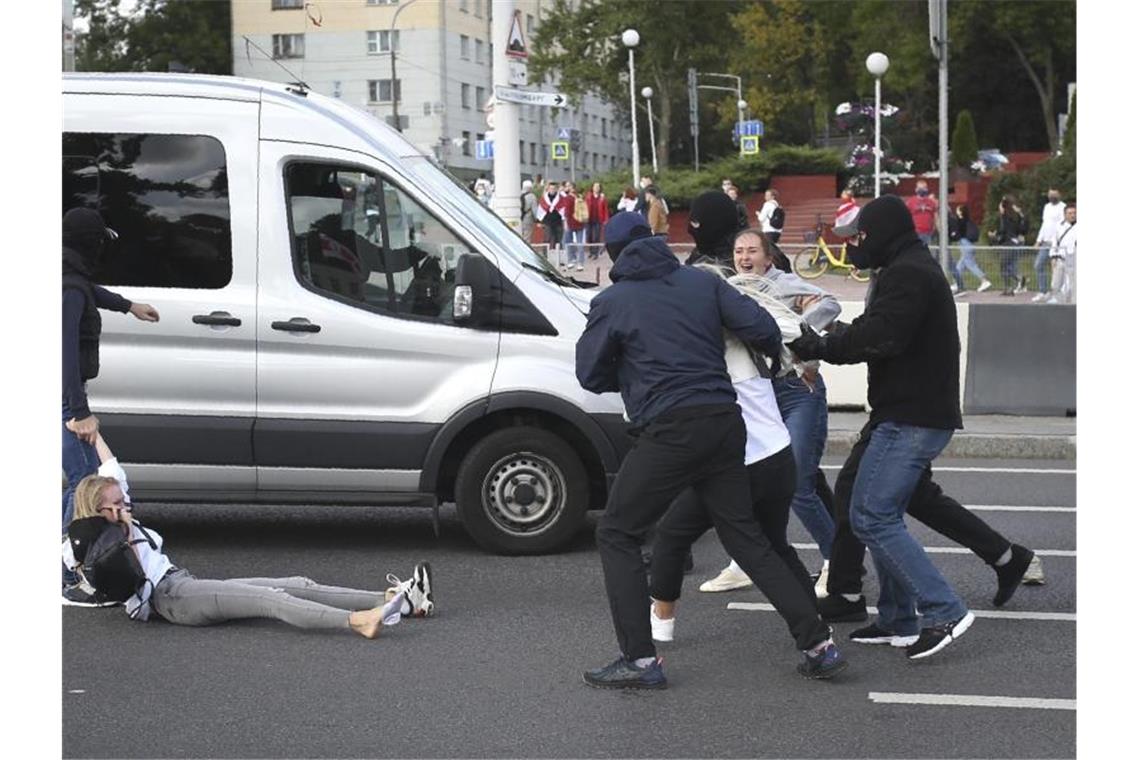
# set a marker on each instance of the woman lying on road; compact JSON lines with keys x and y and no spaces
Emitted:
{"x":180,"y":598}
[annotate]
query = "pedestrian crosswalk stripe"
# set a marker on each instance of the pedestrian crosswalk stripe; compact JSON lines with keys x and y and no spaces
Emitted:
{"x":1067,"y":617}
{"x":1007,"y":470}
{"x":964,"y":550}
{"x":971,"y":700}
{"x":1012,"y":508}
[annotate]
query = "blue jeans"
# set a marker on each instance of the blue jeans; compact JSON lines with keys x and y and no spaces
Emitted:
{"x":79,"y":460}
{"x":966,"y":261}
{"x":572,"y":241}
{"x":1044,"y":270}
{"x":895,"y":459}
{"x":805,"y":415}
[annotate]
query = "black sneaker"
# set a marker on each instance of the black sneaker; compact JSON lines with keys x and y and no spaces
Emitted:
{"x":77,"y":596}
{"x":825,"y":663}
{"x":873,"y":634}
{"x":833,"y":608}
{"x":625,"y":674}
{"x":938,"y":637}
{"x":1010,"y":574}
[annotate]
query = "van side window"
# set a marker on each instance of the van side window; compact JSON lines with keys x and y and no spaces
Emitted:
{"x":363,"y":241}
{"x":168,"y":198}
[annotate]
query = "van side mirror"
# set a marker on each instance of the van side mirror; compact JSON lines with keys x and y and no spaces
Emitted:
{"x":473,"y":301}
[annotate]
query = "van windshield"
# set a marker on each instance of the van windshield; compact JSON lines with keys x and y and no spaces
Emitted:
{"x":449,"y":191}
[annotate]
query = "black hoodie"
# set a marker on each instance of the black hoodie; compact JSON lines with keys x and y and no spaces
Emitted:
{"x":84,"y":239}
{"x":908,"y":333}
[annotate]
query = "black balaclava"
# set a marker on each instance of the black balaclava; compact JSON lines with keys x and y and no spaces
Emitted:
{"x":713,"y":222}
{"x":84,"y":240}
{"x":887,"y":228}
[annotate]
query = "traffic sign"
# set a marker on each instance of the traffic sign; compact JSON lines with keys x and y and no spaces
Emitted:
{"x":749,"y":145}
{"x":484,"y":150}
{"x":753,"y":127}
{"x":560,"y":150}
{"x":516,"y":45}
{"x":516,"y":72}
{"x":564,"y":133}
{"x":544,"y":99}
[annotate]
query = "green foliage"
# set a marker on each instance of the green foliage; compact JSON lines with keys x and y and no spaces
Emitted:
{"x":1029,"y":190}
{"x":160,"y":35}
{"x":1069,"y":144}
{"x":964,"y":142}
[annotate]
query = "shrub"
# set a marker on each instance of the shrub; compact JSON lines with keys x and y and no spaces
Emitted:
{"x":964,"y":143}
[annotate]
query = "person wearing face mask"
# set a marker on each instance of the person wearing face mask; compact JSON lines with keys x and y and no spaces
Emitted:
{"x":1052,"y":215}
{"x":85,"y":239}
{"x":923,"y":210}
{"x":908,"y":336}
{"x":713,"y":222}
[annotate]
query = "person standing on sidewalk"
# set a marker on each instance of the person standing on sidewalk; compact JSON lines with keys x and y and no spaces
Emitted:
{"x":1052,"y":214}
{"x":1010,"y":234}
{"x":599,"y":209}
{"x":965,"y":233}
{"x":908,"y":336}
{"x":923,"y":211}
{"x":656,"y":335}
{"x":85,"y":239}
{"x":1063,"y":255}
{"x":771,"y":216}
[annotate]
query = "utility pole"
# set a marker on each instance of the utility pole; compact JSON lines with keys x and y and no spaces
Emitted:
{"x":392,"y":58}
{"x":694,"y":120}
{"x":939,"y":45}
{"x":506,"y":156}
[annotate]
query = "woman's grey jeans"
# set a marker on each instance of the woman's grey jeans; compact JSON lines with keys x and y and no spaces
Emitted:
{"x":185,"y":600}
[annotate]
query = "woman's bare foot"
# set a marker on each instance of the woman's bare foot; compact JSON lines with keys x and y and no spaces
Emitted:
{"x":367,"y":622}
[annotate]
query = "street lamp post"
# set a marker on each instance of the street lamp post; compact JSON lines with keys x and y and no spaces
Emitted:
{"x":630,"y":38}
{"x":877,"y":64}
{"x":392,"y":58}
{"x":741,"y":104}
{"x":647,"y":93}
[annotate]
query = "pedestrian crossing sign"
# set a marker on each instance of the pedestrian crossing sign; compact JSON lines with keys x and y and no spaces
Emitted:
{"x":749,"y":145}
{"x":560,"y":150}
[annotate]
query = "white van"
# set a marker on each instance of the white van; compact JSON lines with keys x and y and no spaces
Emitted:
{"x":342,"y":322}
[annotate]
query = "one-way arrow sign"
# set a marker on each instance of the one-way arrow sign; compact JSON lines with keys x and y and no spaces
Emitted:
{"x":544,"y":99}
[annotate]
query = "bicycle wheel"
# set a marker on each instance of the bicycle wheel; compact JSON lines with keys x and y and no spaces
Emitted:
{"x":861,"y":275}
{"x":810,"y":263}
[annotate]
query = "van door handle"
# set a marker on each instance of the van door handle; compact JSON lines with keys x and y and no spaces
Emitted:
{"x":296,"y":324}
{"x":217,"y":318}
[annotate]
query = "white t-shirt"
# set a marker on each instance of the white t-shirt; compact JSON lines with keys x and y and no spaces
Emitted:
{"x":154,"y":562}
{"x":765,"y":216}
{"x":1052,"y":214}
{"x":1065,"y":242}
{"x":766,"y":432}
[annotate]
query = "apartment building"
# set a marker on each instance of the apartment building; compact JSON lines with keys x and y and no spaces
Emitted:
{"x":443,"y":58}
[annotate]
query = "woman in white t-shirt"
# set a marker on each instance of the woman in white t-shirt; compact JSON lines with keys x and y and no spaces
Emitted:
{"x":178,"y":597}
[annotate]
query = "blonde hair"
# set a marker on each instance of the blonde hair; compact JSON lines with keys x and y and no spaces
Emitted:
{"x":89,"y":495}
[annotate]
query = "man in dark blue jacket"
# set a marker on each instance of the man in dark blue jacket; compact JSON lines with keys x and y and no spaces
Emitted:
{"x":85,"y":238}
{"x":656,"y":335}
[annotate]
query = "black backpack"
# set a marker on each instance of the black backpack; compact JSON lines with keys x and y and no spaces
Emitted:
{"x":777,"y":220}
{"x":107,"y":557}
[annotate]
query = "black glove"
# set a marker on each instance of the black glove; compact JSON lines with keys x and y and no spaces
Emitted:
{"x":809,"y":345}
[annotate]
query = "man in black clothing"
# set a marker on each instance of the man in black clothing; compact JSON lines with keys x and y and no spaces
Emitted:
{"x":656,"y":335}
{"x":85,"y":238}
{"x":908,"y":336}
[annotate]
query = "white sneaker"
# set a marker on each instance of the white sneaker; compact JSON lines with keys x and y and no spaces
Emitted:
{"x":580,"y":267}
{"x":953,"y":287}
{"x":1052,"y":299}
{"x":662,"y":629}
{"x":821,"y":583}
{"x":1035,"y":573}
{"x":730,"y":578}
{"x":417,"y":591}
{"x":1039,"y":297}
{"x":986,"y":285}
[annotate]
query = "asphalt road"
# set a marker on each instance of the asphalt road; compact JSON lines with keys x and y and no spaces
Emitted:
{"x":497,"y":672}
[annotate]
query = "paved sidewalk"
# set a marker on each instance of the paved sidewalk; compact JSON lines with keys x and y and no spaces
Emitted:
{"x":984,"y":436}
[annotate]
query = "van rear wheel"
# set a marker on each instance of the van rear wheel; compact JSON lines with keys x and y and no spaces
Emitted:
{"x":521,"y":490}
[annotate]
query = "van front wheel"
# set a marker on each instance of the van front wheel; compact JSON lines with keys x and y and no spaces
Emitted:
{"x":521,"y":490}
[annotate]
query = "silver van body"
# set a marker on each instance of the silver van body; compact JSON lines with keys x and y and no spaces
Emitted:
{"x":300,"y":356}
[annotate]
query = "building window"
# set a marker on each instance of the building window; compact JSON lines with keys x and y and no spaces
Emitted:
{"x":464,"y":47}
{"x":284,"y":5}
{"x":478,"y":51}
{"x":466,"y":143}
{"x":479,"y":8}
{"x":380,"y":90}
{"x":480,"y":97}
{"x":465,"y":95}
{"x":529,"y":25}
{"x":533,"y":153}
{"x":603,"y":126}
{"x":383,"y":41}
{"x":288,"y":46}
{"x":522,"y":150}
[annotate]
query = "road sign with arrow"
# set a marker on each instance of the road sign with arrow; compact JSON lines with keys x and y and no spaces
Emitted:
{"x":543,"y":99}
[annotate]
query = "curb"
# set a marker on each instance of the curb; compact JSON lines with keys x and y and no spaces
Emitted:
{"x":980,"y":446}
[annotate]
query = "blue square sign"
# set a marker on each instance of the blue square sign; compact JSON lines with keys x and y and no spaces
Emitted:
{"x":484,"y":150}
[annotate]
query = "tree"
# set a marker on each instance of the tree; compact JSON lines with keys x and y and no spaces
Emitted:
{"x":964,"y":142}
{"x":188,"y":34}
{"x":1069,"y":143}
{"x":580,"y":48}
{"x":103,"y":46}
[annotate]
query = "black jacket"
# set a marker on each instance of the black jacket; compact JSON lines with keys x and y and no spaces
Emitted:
{"x":908,"y":333}
{"x":657,"y":333}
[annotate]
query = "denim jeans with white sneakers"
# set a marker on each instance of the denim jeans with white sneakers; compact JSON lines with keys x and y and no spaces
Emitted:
{"x":895,"y":459}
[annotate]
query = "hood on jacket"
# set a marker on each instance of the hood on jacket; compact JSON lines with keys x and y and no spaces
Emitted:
{"x":713,"y":222}
{"x":887,"y":228}
{"x":85,"y":237}
{"x":648,"y":258}
{"x":622,"y":229}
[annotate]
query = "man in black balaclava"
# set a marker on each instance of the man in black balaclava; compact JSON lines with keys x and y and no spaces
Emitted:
{"x":85,"y":238}
{"x":908,"y":336}
{"x":712,"y":224}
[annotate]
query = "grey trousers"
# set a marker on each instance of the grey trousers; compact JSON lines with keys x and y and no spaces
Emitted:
{"x":182,"y":599}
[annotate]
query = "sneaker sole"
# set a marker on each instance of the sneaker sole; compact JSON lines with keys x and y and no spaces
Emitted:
{"x":625,"y":685}
{"x":899,"y":642}
{"x":823,"y":675}
{"x":710,"y":587}
{"x":69,"y":603}
{"x":955,"y":634}
{"x":848,"y":617}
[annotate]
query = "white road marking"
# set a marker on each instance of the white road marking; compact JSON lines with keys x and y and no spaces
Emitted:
{"x":1066,"y":617}
{"x":964,"y":550}
{"x":1009,"y":470}
{"x":77,"y":691}
{"x":971,"y":700}
{"x":1011,"y":508}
